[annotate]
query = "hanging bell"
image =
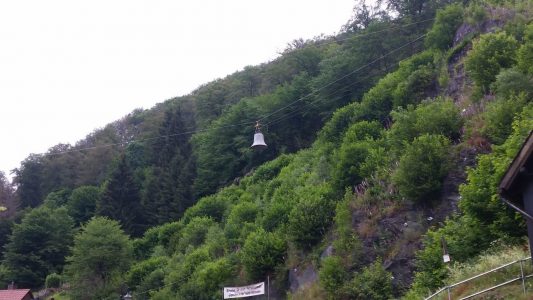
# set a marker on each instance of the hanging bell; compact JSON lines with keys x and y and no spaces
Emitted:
{"x":259,"y":139}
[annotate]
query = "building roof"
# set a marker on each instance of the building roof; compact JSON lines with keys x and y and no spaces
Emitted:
{"x":14,"y":294}
{"x":518,"y":172}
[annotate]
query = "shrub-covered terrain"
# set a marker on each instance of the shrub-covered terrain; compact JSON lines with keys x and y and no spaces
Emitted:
{"x":383,"y":140}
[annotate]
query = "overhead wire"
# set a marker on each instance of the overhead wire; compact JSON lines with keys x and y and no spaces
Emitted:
{"x":273,"y":122}
{"x":309,"y":104}
{"x":269,"y":115}
{"x":289,"y":114}
{"x":333,"y":41}
{"x":248,"y":122}
{"x":345,"y":88}
{"x":147,"y":139}
{"x":162,"y":286}
{"x":343,"y":77}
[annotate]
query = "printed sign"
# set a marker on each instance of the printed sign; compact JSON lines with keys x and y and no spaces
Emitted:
{"x":244,"y":291}
{"x":446,"y":258}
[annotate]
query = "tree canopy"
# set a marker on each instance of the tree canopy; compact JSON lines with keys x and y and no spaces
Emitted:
{"x":101,"y":254}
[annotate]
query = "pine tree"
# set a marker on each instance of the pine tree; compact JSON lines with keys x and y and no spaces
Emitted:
{"x":28,"y":182}
{"x":168,"y":187}
{"x":121,"y":200}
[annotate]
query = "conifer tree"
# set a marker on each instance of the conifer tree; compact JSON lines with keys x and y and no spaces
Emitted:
{"x":121,"y":200}
{"x":168,"y":188}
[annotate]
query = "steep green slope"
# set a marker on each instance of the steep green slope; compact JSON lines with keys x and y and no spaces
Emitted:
{"x":204,"y":137}
{"x":284,"y":211}
{"x":343,"y":198}
{"x":147,"y":168}
{"x":276,"y":218}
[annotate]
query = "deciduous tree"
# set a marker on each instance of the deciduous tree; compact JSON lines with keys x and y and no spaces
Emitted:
{"x":101,"y":255}
{"x":38,"y":245}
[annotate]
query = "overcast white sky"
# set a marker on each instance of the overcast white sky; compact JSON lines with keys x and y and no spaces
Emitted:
{"x":68,"y":67}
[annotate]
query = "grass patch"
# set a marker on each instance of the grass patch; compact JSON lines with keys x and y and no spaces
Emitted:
{"x":59,"y":296}
{"x":311,"y":292}
{"x":486,"y":262}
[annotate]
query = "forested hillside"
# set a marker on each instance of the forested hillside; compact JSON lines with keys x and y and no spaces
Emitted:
{"x":382,"y":140}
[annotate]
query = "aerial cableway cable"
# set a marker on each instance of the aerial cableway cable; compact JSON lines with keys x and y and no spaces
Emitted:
{"x":250,"y":122}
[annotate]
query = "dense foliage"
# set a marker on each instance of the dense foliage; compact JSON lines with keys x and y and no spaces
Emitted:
{"x":368,"y":132}
{"x":100,"y":256}
{"x":38,"y":246}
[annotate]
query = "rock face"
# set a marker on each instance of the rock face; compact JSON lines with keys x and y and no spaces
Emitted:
{"x":456,"y":71}
{"x":396,"y":235}
{"x":302,"y":277}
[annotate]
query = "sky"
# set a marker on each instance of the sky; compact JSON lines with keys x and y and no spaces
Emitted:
{"x":68,"y":67}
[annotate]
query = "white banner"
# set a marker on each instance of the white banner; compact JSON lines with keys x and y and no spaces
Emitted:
{"x":244,"y":291}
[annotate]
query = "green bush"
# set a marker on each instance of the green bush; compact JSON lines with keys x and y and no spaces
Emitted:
{"x":377,"y":102}
{"x":53,"y":281}
{"x":347,"y":245}
{"x":361,"y":131}
{"x":151,"y":282}
{"x":374,"y":282}
{"x":207,"y":280}
{"x":139,"y":271}
{"x":5,"y":275}
{"x":161,"y":235}
{"x":525,"y":53}
{"x":489,"y":55}
{"x":311,"y":217}
{"x":6,"y":227}
{"x":511,"y":82}
{"x":355,"y":148}
{"x":334,"y":129}
{"x":517,"y":27}
{"x":194,"y":233}
{"x":261,"y":253}
{"x":350,"y":159}
{"x":440,"y":116}
{"x":182,"y":266}
{"x":243,"y":212}
{"x":499,"y":116}
{"x":332,"y":276}
{"x":269,"y":170}
{"x":276,"y":214}
{"x":422,"y":168}
{"x":241,"y":220}
{"x":440,"y":36}
{"x":210,"y":206}
{"x":415,"y":87}
{"x":525,"y":58}
{"x":475,"y":13}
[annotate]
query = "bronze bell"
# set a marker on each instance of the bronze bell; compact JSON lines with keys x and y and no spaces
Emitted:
{"x":259,"y":139}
